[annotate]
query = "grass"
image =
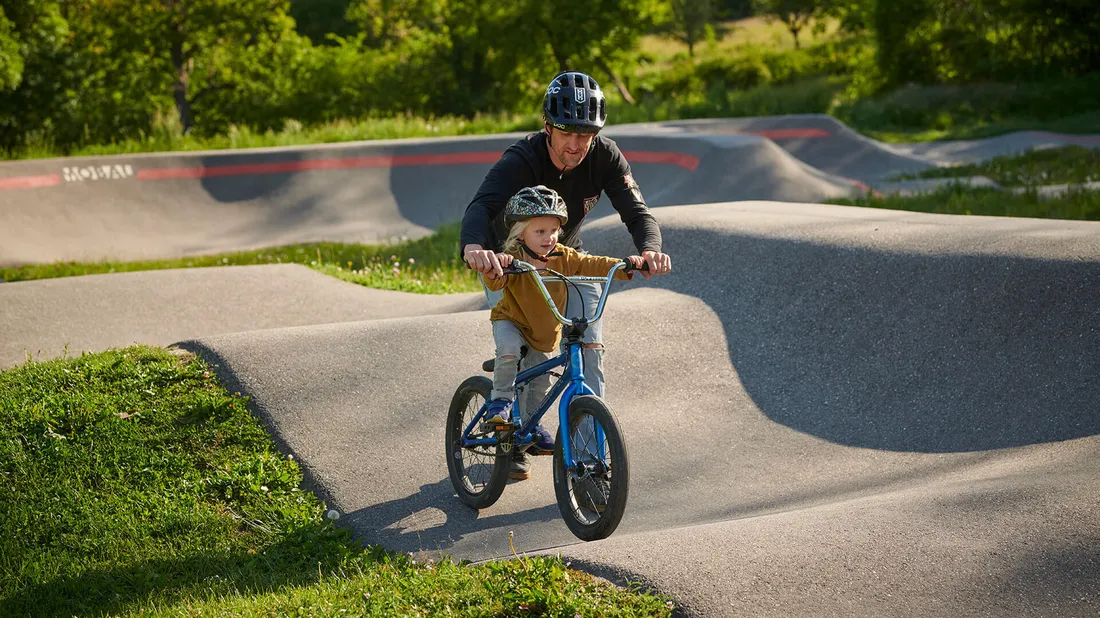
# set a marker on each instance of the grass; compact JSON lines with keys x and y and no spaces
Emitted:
{"x":958,"y":199}
{"x":734,"y":37}
{"x":1048,"y":166}
{"x":427,"y":265}
{"x":132,"y":484}
{"x":925,"y":113}
{"x":167,"y":137}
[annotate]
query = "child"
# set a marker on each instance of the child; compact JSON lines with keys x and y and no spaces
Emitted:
{"x":522,"y":318}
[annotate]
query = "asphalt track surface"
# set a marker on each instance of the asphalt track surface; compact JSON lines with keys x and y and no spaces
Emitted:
{"x":829,"y":410}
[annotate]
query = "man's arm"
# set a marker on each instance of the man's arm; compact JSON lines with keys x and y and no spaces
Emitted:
{"x":626,"y":197}
{"x":507,"y":176}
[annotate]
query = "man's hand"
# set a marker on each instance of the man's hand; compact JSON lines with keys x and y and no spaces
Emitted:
{"x":659,"y":263}
{"x":482,"y":260}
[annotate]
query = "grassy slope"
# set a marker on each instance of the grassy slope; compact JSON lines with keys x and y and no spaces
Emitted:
{"x":425,"y":265}
{"x":132,"y":484}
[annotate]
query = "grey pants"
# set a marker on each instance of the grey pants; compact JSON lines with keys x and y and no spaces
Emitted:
{"x":508,"y":363}
{"x":509,"y":339}
{"x":586,"y":300}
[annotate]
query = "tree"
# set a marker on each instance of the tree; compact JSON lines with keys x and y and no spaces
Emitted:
{"x":795,"y":14}
{"x":196,"y":43}
{"x":691,"y":18}
{"x":316,"y":19}
{"x":582,"y":35}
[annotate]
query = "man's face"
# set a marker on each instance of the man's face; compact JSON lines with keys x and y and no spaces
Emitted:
{"x":568,"y":149}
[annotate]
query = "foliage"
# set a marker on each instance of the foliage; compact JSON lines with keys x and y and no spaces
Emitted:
{"x":939,"y":41}
{"x":795,"y":14}
{"x":84,"y":75}
{"x":691,"y":20}
{"x":979,"y":110}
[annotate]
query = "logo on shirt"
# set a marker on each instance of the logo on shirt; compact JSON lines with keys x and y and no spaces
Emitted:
{"x":633,"y":186}
{"x":590,"y":203}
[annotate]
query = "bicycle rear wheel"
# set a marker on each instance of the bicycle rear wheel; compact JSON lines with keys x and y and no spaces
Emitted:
{"x":478,"y":473}
{"x":592,"y":491}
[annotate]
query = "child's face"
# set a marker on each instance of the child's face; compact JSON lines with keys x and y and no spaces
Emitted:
{"x":541,"y":234}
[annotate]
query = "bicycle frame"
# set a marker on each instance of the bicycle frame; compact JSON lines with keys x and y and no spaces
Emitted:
{"x":569,"y":385}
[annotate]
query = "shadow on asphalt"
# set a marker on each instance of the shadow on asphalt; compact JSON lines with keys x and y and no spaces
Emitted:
{"x":433,"y":520}
{"x":898,"y":351}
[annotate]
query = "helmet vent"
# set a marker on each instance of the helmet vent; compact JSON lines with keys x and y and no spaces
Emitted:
{"x":592,"y":109}
{"x":566,"y":108}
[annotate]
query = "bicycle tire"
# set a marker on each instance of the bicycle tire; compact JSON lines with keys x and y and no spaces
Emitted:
{"x":490,"y":462}
{"x":584,"y":521}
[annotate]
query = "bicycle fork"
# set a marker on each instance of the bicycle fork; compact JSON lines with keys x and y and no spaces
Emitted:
{"x":577,"y":387}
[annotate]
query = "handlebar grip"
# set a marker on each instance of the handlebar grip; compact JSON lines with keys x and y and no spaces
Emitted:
{"x":630,"y":266}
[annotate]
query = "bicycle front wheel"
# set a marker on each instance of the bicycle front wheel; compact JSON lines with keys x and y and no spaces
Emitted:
{"x":478,"y":473}
{"x":592,"y":489}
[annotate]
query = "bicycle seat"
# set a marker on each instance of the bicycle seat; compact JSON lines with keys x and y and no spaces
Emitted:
{"x":490,"y":364}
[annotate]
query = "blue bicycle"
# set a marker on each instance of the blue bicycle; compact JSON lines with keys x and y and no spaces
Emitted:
{"x":591,"y":471}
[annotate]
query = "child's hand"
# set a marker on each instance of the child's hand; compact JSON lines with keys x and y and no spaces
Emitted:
{"x":505,"y":260}
{"x":639,"y":263}
{"x":636,"y":261}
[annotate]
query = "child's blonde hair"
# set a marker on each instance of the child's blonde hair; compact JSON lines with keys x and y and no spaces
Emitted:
{"x":513,"y":242}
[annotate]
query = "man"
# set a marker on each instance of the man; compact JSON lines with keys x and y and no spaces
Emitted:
{"x":569,"y":157}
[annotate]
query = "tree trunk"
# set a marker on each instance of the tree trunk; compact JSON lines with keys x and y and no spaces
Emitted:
{"x":563,"y":61}
{"x":179,"y":90}
{"x":615,"y":78}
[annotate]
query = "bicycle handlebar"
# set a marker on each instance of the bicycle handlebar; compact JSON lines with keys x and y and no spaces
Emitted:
{"x":519,"y":267}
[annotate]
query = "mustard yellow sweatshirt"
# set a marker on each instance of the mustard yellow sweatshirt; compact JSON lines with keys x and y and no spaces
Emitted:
{"x":524,"y":306}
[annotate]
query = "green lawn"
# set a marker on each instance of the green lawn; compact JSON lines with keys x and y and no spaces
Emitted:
{"x":426,"y":265}
{"x":957,"y":199}
{"x":132,"y":484}
{"x":1049,"y":166}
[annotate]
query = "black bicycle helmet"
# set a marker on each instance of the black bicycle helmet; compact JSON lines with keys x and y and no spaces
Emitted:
{"x":537,"y":201}
{"x":574,"y":103}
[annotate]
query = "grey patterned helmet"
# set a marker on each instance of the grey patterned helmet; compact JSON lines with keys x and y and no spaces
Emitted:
{"x":537,"y":201}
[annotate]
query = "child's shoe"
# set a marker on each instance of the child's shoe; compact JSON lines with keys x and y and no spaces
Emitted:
{"x":520,"y":469}
{"x":498,"y":412}
{"x":542,"y":443}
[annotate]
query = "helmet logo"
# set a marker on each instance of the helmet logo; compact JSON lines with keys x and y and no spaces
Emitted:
{"x":579,"y":95}
{"x":553,"y":89}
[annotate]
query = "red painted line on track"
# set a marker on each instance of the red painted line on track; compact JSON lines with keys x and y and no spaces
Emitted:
{"x":685,"y":161}
{"x":30,"y":182}
{"x":283,"y":167}
{"x":688,"y":162}
{"x":790,"y":133}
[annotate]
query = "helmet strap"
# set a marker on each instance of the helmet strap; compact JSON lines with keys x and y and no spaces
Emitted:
{"x":541,"y":258}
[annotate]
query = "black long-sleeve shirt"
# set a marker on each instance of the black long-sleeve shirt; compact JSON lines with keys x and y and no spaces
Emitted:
{"x":527,"y":163}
